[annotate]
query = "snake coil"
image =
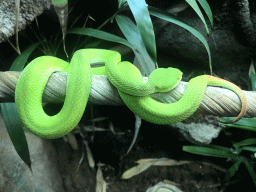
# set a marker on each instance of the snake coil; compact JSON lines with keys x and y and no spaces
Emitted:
{"x":123,"y":75}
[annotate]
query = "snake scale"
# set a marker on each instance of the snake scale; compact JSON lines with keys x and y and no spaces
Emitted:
{"x":123,"y":75}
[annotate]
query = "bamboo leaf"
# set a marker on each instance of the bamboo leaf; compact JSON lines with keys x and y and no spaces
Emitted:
{"x":120,"y":3}
{"x":251,"y":141}
{"x":252,"y":76}
{"x":140,"y":12}
{"x":136,"y":170}
{"x":11,"y":118}
{"x":207,"y":10}
{"x":101,"y":184}
{"x":171,"y":18}
{"x":220,"y":147}
{"x":144,"y":164}
{"x":250,"y":169}
{"x":214,"y":152}
{"x":252,"y":149}
{"x":101,"y":35}
{"x":17,"y":7}
{"x":20,"y":61}
{"x":61,"y":8}
{"x":244,"y":123}
{"x":15,"y":130}
{"x":232,"y":170}
{"x":169,"y":162}
{"x":253,"y":81}
{"x":194,"y":5}
{"x":137,"y":128}
{"x":132,"y":34}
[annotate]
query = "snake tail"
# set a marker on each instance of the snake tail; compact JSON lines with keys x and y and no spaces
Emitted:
{"x":167,"y":113}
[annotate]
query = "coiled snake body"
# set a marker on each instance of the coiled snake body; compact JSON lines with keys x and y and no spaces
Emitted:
{"x":123,"y":75}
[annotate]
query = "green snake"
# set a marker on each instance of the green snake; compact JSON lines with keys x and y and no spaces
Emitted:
{"x":123,"y":75}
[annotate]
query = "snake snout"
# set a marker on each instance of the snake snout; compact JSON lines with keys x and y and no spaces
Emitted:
{"x":165,"y":79}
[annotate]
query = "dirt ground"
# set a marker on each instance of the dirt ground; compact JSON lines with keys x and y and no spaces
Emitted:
{"x":202,"y":173}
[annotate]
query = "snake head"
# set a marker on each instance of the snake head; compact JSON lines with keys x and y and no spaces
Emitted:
{"x":165,"y":79}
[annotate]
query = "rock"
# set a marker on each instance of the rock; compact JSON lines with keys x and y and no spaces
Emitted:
{"x":164,"y":187}
{"x":29,"y":9}
{"x":231,"y":56}
{"x":15,"y":174}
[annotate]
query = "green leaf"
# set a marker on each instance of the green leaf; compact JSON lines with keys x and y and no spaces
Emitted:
{"x":252,"y":149}
{"x":61,"y":8}
{"x":219,"y":147}
{"x":15,"y":130}
{"x":251,"y":141}
{"x":232,"y":170}
{"x":136,"y":132}
{"x":252,"y":76}
{"x":140,"y":12}
{"x":120,"y":3}
{"x":253,"y":81}
{"x":59,"y":2}
{"x":21,"y":60}
{"x":171,"y":18}
{"x":244,"y":123}
{"x":214,"y":152}
{"x":11,"y":118}
{"x":207,"y":10}
{"x":101,"y":35}
{"x":250,"y":169}
{"x":133,"y":35}
{"x":194,"y":5}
